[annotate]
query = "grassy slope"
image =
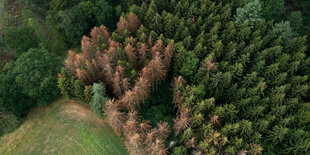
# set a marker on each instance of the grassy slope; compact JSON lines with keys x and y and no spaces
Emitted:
{"x":64,"y":127}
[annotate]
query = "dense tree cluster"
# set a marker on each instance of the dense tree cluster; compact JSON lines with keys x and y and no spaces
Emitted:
{"x":131,"y":70}
{"x":250,"y":81}
{"x":26,"y":82}
{"x":247,"y":78}
{"x":78,"y":20}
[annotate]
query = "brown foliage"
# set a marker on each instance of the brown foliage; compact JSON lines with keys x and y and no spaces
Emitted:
{"x":134,"y":145}
{"x":130,"y":52}
{"x":182,"y":121}
{"x":145,"y":73}
{"x":130,"y":127}
{"x":121,"y":25}
{"x":168,"y":53}
{"x":193,"y":20}
{"x":121,"y":71}
{"x":214,"y":120}
{"x":100,"y":35}
{"x":70,"y":62}
{"x":107,"y":68}
{"x":92,"y":65}
{"x":144,"y":126}
{"x":112,"y":53}
{"x":163,"y":130}
{"x":158,"y":47}
{"x":129,"y":100}
{"x":157,"y":69}
{"x":157,"y":148}
{"x":125,"y":84}
{"x":177,"y":81}
{"x":150,"y":137}
{"x":177,"y":95}
{"x":210,"y":66}
{"x":114,"y":116}
{"x":132,"y":41}
{"x":150,"y":41}
{"x":88,"y":48}
{"x":117,"y":90}
{"x":131,"y":24}
{"x":140,"y":92}
{"x":243,"y":152}
{"x":191,"y":143}
{"x":99,"y":61}
{"x":143,"y":53}
{"x":133,"y":116}
{"x":142,"y":88}
{"x":177,"y":99}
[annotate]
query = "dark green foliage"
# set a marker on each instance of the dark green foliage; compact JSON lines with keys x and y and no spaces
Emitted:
{"x":78,"y":20}
{"x":79,"y":89}
{"x":246,"y":69}
{"x":302,"y":6}
{"x":32,"y":76}
{"x":189,"y":66}
{"x":19,"y":39}
{"x":87,"y":94}
{"x":250,"y":13}
{"x":296,"y":20}
{"x":64,"y":83}
{"x":8,"y":122}
{"x":12,"y":100}
{"x":56,"y":42}
{"x":70,"y":87}
{"x":58,"y":5}
{"x":104,"y":14}
{"x":159,"y":107}
{"x":99,"y":99}
{"x":40,"y":7}
{"x":73,"y":24}
{"x":273,"y":9}
{"x":180,"y":150}
{"x":27,"y":82}
{"x":253,"y":69}
{"x":135,"y":9}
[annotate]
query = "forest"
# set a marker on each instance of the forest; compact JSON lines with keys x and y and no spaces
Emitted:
{"x":169,"y":76}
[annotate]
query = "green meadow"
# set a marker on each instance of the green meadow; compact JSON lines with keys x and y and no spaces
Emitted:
{"x":64,"y":127}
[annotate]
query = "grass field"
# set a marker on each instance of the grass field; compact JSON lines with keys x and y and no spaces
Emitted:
{"x":65,"y":127}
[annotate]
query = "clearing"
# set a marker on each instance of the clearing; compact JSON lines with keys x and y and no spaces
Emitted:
{"x":64,"y":127}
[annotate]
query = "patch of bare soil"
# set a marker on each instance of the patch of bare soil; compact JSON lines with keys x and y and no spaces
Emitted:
{"x":82,"y":112}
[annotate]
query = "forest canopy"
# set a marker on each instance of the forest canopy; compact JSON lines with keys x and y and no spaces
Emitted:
{"x":170,"y":76}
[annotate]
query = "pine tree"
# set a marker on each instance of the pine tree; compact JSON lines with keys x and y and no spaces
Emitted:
{"x":182,"y":121}
{"x":143,"y":54}
{"x":150,"y":14}
{"x":117,"y":90}
{"x":250,"y":13}
{"x":157,"y":70}
{"x":163,"y":130}
{"x":131,"y":54}
{"x":133,"y":23}
{"x":99,"y":99}
{"x":114,"y":116}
